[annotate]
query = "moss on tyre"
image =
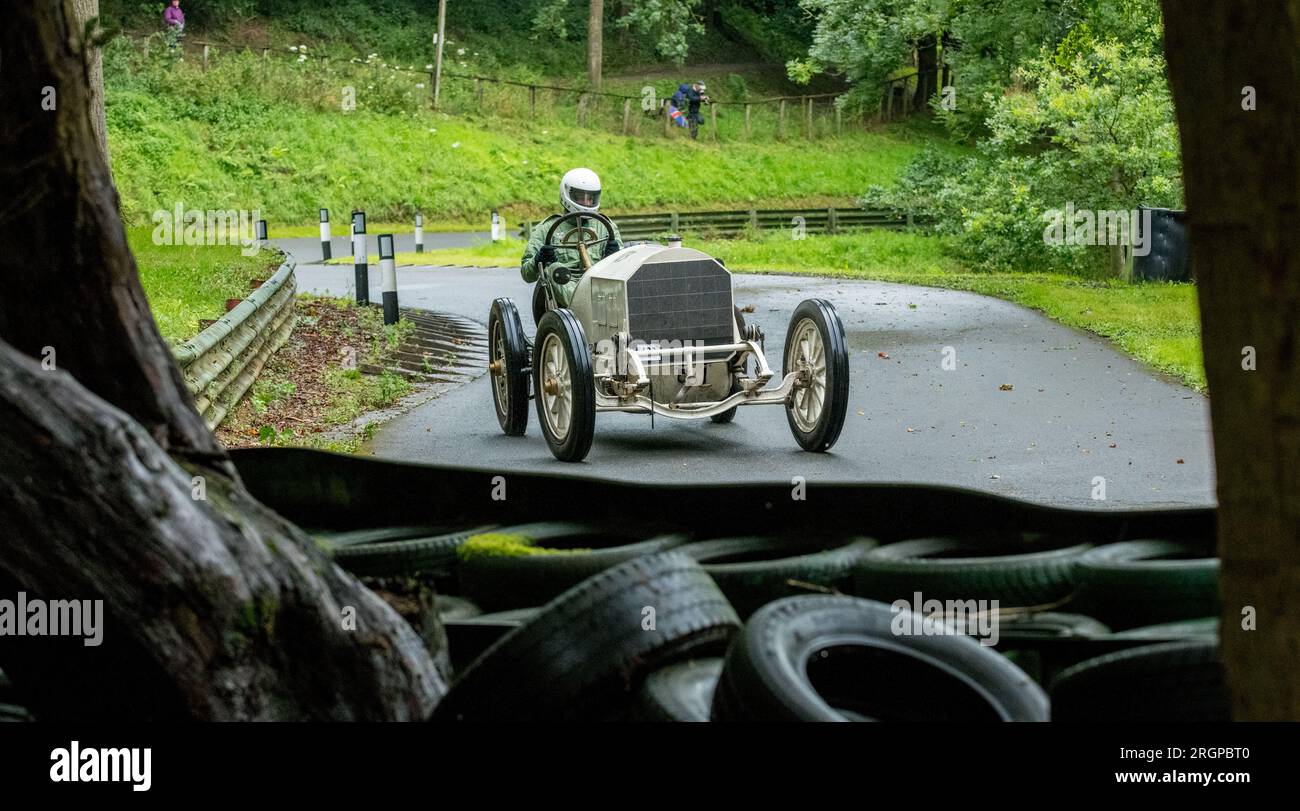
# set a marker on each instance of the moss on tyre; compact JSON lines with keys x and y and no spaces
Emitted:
{"x":548,"y":559}
{"x":1015,"y":570}
{"x":433,"y":553}
{"x":1175,"y":681}
{"x":754,"y":571}
{"x":1145,"y":582}
{"x":585,"y":653}
{"x":831,"y":658}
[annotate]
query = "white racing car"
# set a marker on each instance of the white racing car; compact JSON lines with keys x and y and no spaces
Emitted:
{"x":653,"y":329}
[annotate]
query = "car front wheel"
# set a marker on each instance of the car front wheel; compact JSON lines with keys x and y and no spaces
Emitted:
{"x":562,"y":382}
{"x":816,"y":350}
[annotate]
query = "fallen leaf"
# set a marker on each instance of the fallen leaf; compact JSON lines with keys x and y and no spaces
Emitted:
{"x":1180,"y":461}
{"x":882,"y":354}
{"x":748,"y":308}
{"x":910,"y":431}
{"x":1006,"y":387}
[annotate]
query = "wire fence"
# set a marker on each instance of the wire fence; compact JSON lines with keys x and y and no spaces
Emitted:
{"x":808,"y":116}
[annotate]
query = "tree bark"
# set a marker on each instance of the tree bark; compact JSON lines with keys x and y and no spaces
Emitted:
{"x":112,"y":488}
{"x":83,"y":12}
{"x":595,"y":43}
{"x":1241,"y":172}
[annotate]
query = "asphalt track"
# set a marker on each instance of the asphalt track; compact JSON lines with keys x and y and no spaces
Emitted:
{"x":1031,"y":409}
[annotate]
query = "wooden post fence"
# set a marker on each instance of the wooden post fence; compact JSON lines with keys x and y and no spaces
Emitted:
{"x":627,"y":115}
{"x":747,"y":121}
{"x":780,"y":121}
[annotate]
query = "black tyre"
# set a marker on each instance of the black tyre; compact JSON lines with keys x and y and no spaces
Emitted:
{"x":815,"y":343}
{"x":434,"y":554}
{"x":356,"y":537}
{"x":1203,"y":628}
{"x":1145,"y":582}
{"x":584,"y":656}
{"x":680,"y":692}
{"x":508,"y":356}
{"x":562,"y":380}
{"x":1175,"y":681}
{"x":829,"y":658}
{"x":1013,"y":570}
{"x":469,"y":637}
{"x":568,"y":554}
{"x":456,"y":608}
{"x":755,"y":571}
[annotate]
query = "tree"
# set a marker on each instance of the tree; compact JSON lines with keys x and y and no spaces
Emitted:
{"x":86,"y":13}
{"x":115,"y":490}
{"x":1234,"y":69}
{"x":595,"y":42}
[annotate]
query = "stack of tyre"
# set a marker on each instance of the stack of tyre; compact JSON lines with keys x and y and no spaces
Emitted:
{"x":600,"y":623}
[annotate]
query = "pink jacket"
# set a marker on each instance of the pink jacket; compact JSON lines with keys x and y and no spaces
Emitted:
{"x":174,"y":16}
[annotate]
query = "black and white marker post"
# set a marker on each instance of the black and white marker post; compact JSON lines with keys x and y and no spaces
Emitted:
{"x":259,"y":228}
{"x":388,"y":276}
{"x":359,"y":259}
{"x":496,"y":226}
{"x":325,"y":234}
{"x":419,"y":233}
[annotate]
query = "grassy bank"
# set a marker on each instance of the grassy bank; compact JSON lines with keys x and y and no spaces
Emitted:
{"x":187,"y":282}
{"x":1159,"y":324}
{"x":272,"y":136}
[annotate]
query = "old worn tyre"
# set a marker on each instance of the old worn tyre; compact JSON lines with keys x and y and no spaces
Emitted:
{"x":469,"y":637}
{"x":585,"y":654}
{"x":562,"y":382}
{"x":815,"y":340}
{"x":831,"y":658}
{"x":679,"y":692}
{"x":335,"y":540}
{"x":1145,"y":582}
{"x":1173,"y":681}
{"x":1014,"y":570}
{"x":573,"y":552}
{"x":754,"y":571}
{"x":432,"y":553}
{"x":508,"y":355}
{"x":1203,"y":628}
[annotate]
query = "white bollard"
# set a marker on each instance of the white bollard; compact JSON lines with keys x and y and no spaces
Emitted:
{"x":419,"y":233}
{"x":360,"y":262}
{"x":388,"y":276}
{"x":325,"y":234}
{"x":496,"y":226}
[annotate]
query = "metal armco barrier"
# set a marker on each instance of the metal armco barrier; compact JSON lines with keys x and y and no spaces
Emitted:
{"x":222,"y":361}
{"x":730,"y":223}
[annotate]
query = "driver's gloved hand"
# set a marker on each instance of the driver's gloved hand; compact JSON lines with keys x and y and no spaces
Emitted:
{"x":546,"y":254}
{"x":614,"y":247}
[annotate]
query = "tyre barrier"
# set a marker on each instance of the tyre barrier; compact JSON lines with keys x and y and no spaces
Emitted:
{"x":222,"y":362}
{"x":582,"y":656}
{"x":1172,"y":681}
{"x":679,"y":692}
{"x":1175,"y":580}
{"x":831,"y":658}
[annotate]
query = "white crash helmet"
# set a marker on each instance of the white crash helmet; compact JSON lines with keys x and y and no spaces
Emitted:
{"x":580,"y":191}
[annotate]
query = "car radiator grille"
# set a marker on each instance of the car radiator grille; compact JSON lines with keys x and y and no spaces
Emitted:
{"x":681,"y":301}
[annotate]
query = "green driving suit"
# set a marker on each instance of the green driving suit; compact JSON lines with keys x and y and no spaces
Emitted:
{"x":568,"y":257}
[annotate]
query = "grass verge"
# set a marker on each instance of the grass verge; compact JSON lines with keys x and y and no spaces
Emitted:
{"x":187,"y":282}
{"x":310,"y":393}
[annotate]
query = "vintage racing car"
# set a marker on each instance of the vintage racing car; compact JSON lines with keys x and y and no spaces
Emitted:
{"x":653,"y":329}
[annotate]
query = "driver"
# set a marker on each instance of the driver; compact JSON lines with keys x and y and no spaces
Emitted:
{"x":579,"y":192}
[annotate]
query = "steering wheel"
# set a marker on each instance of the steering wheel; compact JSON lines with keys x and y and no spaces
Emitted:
{"x":582,"y":237}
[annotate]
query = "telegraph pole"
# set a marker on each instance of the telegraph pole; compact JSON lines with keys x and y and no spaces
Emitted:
{"x":437,"y":63}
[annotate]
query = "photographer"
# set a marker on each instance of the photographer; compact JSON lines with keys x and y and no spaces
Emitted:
{"x":691,"y":98}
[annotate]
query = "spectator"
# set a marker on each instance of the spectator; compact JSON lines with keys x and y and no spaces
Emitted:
{"x":691,"y":98}
{"x":174,"y":20}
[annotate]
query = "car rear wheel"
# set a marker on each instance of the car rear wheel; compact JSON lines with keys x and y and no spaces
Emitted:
{"x":508,"y":368}
{"x":562,"y":380}
{"x":816,"y":350}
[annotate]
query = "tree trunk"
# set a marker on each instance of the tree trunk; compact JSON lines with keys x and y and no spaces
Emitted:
{"x":1241,"y":170}
{"x":595,"y":44}
{"x":927,"y":66}
{"x":83,"y":12}
{"x":214,"y":606}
